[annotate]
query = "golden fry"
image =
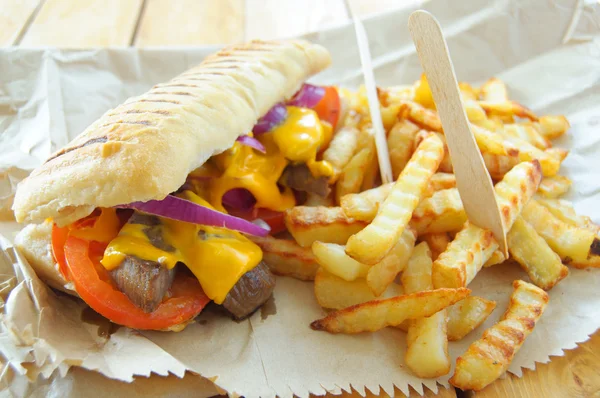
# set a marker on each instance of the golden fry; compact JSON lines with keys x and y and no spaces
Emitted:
{"x":382,"y":274}
{"x":437,"y":243}
{"x":326,"y":224}
{"x":576,"y":246}
{"x":401,"y":145}
{"x":464,"y":257}
{"x":499,"y":165}
{"x":364,"y":206}
{"x":496,"y":258}
{"x":370,"y":245}
{"x":416,"y":113}
{"x":553,"y":187}
{"x":422,"y":93}
{"x":353,"y":173}
{"x":314,"y":200}
{"x":494,"y":90}
{"x":442,"y":212}
{"x":528,"y":133}
{"x":467,"y":315}
{"x":340,"y":150}
{"x":427,"y":346}
{"x":377,"y":314}
{"x":534,"y":255}
{"x":473,"y":246}
{"x":285,"y":257}
{"x":334,"y":260}
{"x":527,"y":152}
{"x":511,"y":108}
{"x":489,"y":357}
{"x":336,"y":293}
{"x":553,"y":127}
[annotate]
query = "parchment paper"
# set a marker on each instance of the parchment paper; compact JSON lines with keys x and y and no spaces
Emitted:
{"x":47,"y":97}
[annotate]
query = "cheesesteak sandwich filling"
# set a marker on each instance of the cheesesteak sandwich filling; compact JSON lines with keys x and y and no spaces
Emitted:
{"x":144,"y":215}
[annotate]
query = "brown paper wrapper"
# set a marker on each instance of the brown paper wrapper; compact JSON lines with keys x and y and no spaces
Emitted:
{"x":50,"y":343}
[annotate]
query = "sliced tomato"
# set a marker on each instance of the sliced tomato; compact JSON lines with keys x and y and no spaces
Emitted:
{"x":59,"y":238}
{"x":328,"y":108}
{"x":185,"y":301}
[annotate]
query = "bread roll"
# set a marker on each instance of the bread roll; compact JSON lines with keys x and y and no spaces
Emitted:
{"x":145,"y":148}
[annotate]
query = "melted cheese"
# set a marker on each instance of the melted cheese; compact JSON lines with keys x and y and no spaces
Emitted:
{"x":218,"y":257}
{"x":298,"y":139}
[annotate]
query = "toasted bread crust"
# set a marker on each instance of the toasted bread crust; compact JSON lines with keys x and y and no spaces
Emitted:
{"x":145,"y":148}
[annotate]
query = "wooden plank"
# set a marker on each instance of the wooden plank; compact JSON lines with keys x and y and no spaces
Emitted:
{"x":191,"y":22}
{"x":84,"y":24}
{"x":573,"y":375}
{"x":14,"y":15}
{"x":271,"y":19}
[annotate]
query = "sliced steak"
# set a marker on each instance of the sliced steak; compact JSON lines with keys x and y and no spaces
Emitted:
{"x":300,"y":178}
{"x":145,"y":282}
{"x":250,"y":292}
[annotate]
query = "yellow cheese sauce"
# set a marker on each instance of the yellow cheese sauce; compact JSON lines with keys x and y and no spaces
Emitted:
{"x":298,"y":139}
{"x":218,"y":257}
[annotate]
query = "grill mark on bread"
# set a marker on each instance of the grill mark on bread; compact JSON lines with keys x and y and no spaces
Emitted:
{"x":142,"y":122}
{"x":155,"y":101}
{"x":138,"y":111}
{"x":171,"y":93}
{"x":179,"y":85}
{"x":97,"y":140}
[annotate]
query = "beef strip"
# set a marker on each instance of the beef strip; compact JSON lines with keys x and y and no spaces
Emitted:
{"x":250,"y":291}
{"x":145,"y":282}
{"x":300,"y":178}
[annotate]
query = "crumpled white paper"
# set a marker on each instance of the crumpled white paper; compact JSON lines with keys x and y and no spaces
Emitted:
{"x":48,"y":97}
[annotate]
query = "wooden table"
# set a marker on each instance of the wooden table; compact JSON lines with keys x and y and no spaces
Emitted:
{"x":147,"y":23}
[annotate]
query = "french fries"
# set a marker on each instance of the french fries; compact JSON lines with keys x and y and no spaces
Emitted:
{"x":437,"y":243}
{"x":427,"y":345}
{"x":473,"y":246}
{"x":553,"y":187}
{"x":401,"y":144}
{"x":370,"y":245}
{"x":487,"y":358}
{"x":508,"y":108}
{"x":534,"y":255}
{"x":576,"y":246}
{"x":553,"y":127}
{"x":527,"y":132}
{"x":336,"y":293}
{"x":377,"y":314}
{"x":494,"y":90}
{"x":326,"y":224}
{"x":364,"y":206}
{"x":334,"y":260}
{"x":464,"y":257}
{"x":442,"y":212}
{"x":353,"y":173}
{"x":496,"y":258}
{"x":286,"y":258}
{"x":499,"y":165}
{"x":358,"y":251}
{"x":466,"y":315}
{"x":382,"y":274}
{"x":340,"y":150}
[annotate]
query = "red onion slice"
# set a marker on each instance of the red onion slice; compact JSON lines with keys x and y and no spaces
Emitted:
{"x":238,"y":199}
{"x":308,"y":96}
{"x":272,"y":118}
{"x":251,"y":142}
{"x":184,"y":210}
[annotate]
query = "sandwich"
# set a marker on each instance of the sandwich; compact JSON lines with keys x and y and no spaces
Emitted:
{"x":145,"y":215}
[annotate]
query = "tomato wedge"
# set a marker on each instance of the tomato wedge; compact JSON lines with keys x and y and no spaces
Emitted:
{"x":328,"y":108}
{"x":186,"y":300}
{"x":59,"y":238}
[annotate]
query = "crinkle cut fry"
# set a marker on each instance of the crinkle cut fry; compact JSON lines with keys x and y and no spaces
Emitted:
{"x":473,"y":246}
{"x":488,"y":358}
